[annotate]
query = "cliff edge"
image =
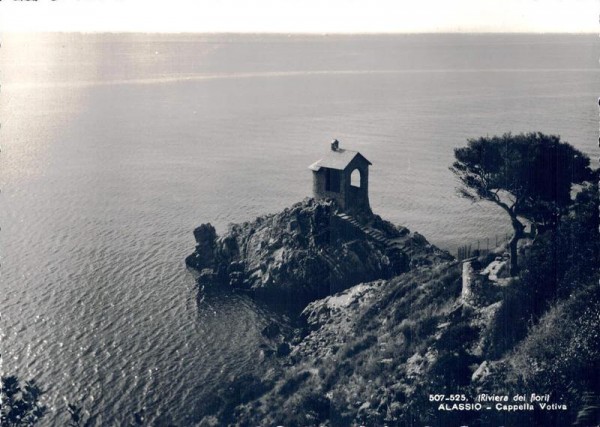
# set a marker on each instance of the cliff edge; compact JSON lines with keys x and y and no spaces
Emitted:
{"x":308,"y":251}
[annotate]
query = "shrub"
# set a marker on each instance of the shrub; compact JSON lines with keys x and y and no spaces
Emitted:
{"x":293,"y":383}
{"x":357,"y":346}
{"x":452,"y":370}
{"x":510,"y":322}
{"x":457,"y":337}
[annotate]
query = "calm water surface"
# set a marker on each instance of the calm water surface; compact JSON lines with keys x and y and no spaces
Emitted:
{"x":114,"y":147}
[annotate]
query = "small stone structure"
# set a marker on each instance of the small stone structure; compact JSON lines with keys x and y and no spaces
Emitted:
{"x":342,"y":175}
{"x":468,"y":276}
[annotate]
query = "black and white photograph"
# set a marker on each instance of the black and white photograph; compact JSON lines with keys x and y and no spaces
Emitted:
{"x":283,"y":213}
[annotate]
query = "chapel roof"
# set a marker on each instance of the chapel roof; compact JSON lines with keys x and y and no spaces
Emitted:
{"x":337,"y":159}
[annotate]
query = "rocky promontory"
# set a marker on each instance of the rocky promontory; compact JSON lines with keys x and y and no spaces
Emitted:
{"x":308,"y":251}
{"x":401,"y":321}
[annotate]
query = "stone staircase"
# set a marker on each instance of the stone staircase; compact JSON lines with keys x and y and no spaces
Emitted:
{"x":374,"y":234}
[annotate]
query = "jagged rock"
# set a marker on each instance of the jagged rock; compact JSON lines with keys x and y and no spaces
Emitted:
{"x":206,"y":276}
{"x":283,"y":349}
{"x":481,"y":373}
{"x":497,"y":269}
{"x":203,"y":257}
{"x":271,"y":331}
{"x":309,"y":251}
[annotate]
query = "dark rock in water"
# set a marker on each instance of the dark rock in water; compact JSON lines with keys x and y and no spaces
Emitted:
{"x":203,"y":257}
{"x":283,"y":349}
{"x":308,"y":251}
{"x":205,"y":233}
{"x":271,"y":331}
{"x":207,"y":276}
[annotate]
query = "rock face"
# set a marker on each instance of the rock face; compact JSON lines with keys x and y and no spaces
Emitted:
{"x":206,"y":238}
{"x":308,"y":251}
{"x":367,"y":354}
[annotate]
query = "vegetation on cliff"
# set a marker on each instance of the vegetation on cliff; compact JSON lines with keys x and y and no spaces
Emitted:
{"x":527,"y":175}
{"x":373,"y":354}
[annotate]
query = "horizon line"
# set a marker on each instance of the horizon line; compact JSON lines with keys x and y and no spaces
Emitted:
{"x":306,"y":33}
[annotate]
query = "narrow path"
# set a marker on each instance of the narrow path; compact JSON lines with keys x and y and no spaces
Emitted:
{"x":376,"y":235}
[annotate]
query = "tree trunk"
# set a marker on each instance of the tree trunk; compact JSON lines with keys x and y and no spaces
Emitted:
{"x":518,"y":235}
{"x":514,"y":265}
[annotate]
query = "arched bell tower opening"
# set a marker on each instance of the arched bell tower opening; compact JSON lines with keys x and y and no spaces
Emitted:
{"x":355,"y":178}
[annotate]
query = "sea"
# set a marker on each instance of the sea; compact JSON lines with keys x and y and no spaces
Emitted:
{"x":114,"y":147}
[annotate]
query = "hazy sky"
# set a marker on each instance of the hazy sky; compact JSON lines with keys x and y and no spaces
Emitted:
{"x":313,"y":16}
